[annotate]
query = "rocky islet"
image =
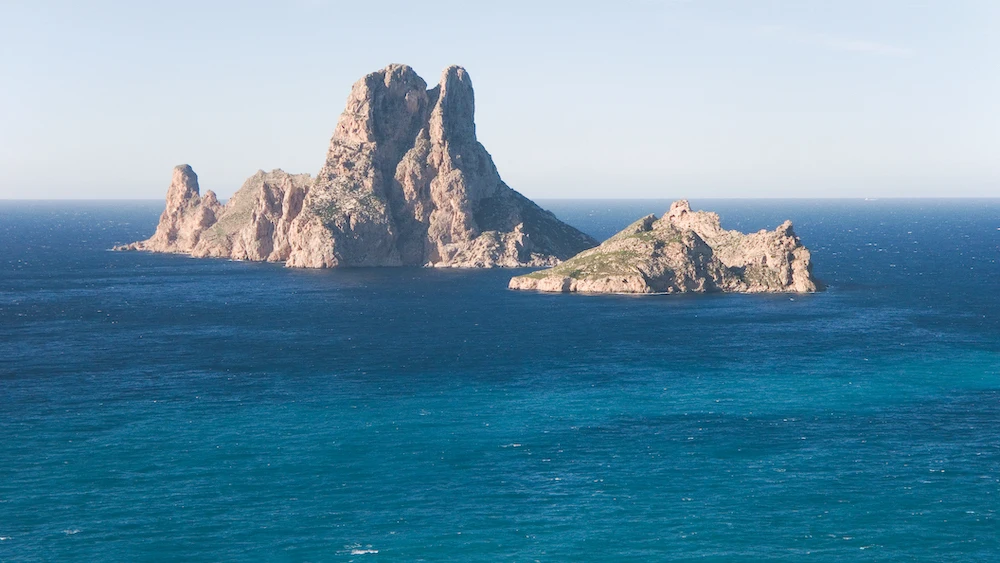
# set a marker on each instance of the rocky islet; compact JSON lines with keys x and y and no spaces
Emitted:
{"x":405,"y":182}
{"x":683,"y":251}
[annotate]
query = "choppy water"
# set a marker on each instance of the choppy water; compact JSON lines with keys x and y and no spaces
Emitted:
{"x":163,"y":408}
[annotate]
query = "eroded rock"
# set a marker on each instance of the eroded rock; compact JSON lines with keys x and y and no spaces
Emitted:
{"x":683,"y":251}
{"x":405,"y":182}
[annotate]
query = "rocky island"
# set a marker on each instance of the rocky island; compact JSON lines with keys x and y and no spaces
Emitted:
{"x":405,"y":182}
{"x":683,"y":251}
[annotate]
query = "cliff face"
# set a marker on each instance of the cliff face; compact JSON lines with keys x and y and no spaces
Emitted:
{"x":186,"y":215}
{"x":405,"y":182}
{"x":683,"y":251}
{"x":256,"y":222}
{"x":253,"y":225}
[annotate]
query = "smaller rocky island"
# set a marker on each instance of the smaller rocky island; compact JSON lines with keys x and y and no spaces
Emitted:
{"x":683,"y":251}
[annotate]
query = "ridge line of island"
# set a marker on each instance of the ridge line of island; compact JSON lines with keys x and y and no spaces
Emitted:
{"x":407,"y":183}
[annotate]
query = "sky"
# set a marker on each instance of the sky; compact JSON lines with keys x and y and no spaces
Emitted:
{"x":626,"y":99}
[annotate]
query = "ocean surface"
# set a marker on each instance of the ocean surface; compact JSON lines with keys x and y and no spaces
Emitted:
{"x":162,"y":408}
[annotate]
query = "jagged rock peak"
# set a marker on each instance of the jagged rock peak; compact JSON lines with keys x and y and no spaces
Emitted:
{"x":183,"y":185}
{"x":679,"y":207}
{"x":405,"y":182}
{"x":379,"y":103}
{"x":456,"y":106}
{"x":684,"y":251}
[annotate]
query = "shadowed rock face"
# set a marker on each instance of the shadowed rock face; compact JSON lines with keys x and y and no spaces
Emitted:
{"x":684,"y":251}
{"x":405,"y":182}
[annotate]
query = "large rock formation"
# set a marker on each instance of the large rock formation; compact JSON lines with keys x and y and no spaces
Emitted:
{"x":405,"y":183}
{"x":683,"y":251}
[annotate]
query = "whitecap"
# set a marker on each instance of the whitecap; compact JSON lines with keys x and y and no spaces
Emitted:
{"x":357,"y":549}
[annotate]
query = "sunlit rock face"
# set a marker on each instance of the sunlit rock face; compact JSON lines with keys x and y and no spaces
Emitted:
{"x":683,"y":251}
{"x":405,"y":182}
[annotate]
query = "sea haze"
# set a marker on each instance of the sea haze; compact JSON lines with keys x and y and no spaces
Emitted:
{"x":160,"y":407}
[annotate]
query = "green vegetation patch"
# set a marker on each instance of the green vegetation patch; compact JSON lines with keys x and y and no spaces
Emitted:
{"x":625,"y":260}
{"x":595,"y":264}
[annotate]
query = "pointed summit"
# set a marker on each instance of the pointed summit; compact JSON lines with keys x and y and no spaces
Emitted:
{"x":456,"y":107}
{"x":183,"y":185}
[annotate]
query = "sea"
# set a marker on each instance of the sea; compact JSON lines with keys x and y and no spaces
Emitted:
{"x":164,"y":408}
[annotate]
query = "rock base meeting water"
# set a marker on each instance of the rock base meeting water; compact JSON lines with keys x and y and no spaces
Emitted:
{"x":683,"y":252}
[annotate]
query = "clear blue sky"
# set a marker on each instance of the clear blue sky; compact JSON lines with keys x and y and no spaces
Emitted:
{"x":574,"y":99}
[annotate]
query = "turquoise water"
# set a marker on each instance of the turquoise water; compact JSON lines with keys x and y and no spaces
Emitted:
{"x":163,"y":408}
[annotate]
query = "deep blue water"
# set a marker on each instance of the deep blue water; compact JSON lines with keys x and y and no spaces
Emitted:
{"x":158,"y":407}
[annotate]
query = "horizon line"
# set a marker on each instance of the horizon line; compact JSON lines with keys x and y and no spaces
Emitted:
{"x":675,"y":198}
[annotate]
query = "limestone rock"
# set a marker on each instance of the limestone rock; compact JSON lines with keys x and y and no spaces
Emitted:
{"x":683,"y":251}
{"x":253,"y":225}
{"x":405,"y":182}
{"x":186,"y":215}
